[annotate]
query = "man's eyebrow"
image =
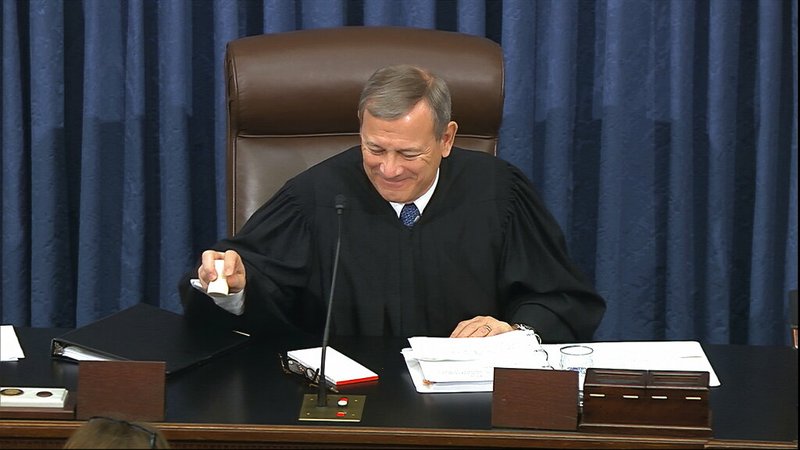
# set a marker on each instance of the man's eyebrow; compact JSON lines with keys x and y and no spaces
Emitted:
{"x":373,"y":145}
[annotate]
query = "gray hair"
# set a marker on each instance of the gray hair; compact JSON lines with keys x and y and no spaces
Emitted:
{"x":393,"y":91}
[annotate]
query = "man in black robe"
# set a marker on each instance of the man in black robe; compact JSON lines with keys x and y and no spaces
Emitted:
{"x":479,"y":254}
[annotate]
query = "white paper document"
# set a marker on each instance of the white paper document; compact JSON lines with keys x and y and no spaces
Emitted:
{"x":467,"y":365}
{"x":82,"y":354}
{"x":10,"y":350}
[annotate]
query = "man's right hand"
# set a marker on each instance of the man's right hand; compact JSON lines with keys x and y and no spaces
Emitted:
{"x":234,"y":270}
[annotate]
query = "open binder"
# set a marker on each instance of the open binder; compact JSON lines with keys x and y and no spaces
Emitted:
{"x":146,"y":333}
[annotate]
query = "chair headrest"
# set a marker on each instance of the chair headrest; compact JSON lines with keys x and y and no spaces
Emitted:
{"x":309,"y":81}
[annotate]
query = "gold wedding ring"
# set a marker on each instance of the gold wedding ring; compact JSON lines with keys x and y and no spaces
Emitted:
{"x":488,"y":328}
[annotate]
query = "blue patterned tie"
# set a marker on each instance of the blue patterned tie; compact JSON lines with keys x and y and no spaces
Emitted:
{"x":409,"y":215}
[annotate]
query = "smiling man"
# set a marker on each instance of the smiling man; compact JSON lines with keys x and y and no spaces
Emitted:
{"x":436,"y":240}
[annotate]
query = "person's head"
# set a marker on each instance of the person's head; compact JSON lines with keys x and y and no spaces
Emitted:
{"x":107,"y":432}
{"x":405,"y":130}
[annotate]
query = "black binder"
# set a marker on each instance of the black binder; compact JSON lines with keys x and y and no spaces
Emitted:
{"x":147,"y":333}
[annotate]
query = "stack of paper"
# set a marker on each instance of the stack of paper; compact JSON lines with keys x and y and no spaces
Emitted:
{"x":467,"y":365}
{"x":10,"y":350}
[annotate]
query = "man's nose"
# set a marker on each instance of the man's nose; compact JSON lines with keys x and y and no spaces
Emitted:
{"x":391,"y":165}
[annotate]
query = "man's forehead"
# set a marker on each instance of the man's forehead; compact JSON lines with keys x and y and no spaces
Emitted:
{"x":404,"y":129}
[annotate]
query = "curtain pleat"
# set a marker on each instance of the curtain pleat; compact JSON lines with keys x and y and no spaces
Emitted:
{"x":51,"y":271}
{"x":661,"y":135}
{"x":279,"y":15}
{"x":680,"y":293}
{"x":226,"y":29}
{"x":99,"y":216}
{"x":771,"y":176}
{"x":471,"y":17}
{"x":790,"y":255}
{"x":176,"y":162}
{"x":519,"y":44}
{"x":134,"y":268}
{"x":624,"y":249}
{"x":409,"y":13}
{"x":723,"y":115}
{"x":15,"y":290}
{"x":555,"y":105}
{"x":323,"y":14}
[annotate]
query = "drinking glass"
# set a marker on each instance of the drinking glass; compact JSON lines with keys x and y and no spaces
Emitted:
{"x":577,"y":358}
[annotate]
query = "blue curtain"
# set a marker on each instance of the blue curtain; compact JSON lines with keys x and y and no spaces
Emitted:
{"x":662,"y":135}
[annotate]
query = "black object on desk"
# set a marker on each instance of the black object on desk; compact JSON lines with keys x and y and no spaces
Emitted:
{"x":147,"y":333}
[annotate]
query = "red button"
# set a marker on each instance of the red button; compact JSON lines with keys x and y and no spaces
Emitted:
{"x":343,"y":401}
{"x":340,"y":413}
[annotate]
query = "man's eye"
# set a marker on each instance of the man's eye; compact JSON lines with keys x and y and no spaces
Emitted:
{"x":375,"y":151}
{"x":410,"y":155}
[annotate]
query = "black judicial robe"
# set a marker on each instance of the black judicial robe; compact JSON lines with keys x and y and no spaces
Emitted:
{"x":485,"y":245}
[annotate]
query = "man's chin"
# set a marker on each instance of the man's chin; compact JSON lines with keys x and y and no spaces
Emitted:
{"x":392,"y":195}
{"x":401,"y":200}
{"x":395,"y":197}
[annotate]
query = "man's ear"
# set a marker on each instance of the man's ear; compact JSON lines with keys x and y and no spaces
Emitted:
{"x":448,"y":138}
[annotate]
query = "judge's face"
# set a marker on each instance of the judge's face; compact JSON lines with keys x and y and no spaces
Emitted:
{"x":401,"y":156}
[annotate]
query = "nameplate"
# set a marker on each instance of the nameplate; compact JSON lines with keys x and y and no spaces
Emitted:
{"x":535,"y":398}
{"x":131,"y":390}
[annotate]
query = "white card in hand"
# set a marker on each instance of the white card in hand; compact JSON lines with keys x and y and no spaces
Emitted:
{"x":220,"y":285}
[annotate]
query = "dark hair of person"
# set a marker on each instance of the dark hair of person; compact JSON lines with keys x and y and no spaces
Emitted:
{"x":393,"y":91}
{"x":108,"y":432}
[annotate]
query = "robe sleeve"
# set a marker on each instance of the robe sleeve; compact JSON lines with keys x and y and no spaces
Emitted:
{"x":275,"y":245}
{"x":540,"y":284}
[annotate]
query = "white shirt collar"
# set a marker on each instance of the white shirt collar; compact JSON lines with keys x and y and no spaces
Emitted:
{"x":422,"y":201}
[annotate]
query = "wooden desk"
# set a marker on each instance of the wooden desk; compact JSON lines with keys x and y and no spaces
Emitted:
{"x":243,"y":400}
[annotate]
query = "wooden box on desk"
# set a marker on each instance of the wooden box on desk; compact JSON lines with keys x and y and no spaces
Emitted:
{"x":534,"y":398}
{"x":656,"y":402}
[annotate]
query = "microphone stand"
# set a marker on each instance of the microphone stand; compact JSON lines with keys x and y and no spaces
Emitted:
{"x":322,"y":385}
{"x":316,"y":407}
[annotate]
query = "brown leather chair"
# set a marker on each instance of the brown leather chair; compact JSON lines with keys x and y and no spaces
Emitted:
{"x":292,"y":98}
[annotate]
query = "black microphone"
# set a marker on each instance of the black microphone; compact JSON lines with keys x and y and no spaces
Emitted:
{"x":322,"y":394}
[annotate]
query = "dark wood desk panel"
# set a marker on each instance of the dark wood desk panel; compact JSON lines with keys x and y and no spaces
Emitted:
{"x":244,"y":400}
{"x":757,"y":401}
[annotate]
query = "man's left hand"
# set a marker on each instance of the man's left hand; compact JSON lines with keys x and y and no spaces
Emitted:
{"x":481,"y":326}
